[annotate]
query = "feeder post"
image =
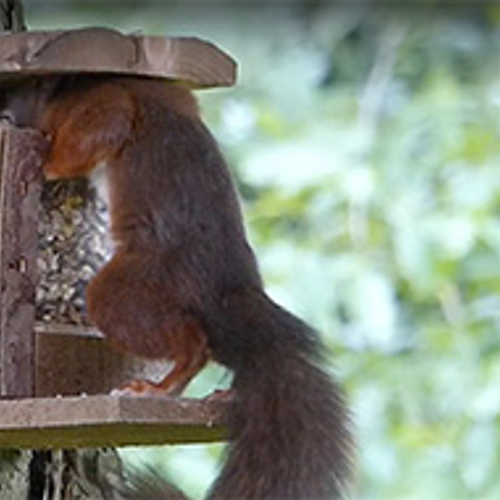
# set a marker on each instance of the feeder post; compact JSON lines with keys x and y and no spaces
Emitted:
{"x":21,"y":156}
{"x":12,"y":15}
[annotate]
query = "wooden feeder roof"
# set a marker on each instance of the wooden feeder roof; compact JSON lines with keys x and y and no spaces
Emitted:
{"x":194,"y":62}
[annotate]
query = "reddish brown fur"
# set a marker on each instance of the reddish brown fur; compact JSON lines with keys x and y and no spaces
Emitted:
{"x":101,"y":122}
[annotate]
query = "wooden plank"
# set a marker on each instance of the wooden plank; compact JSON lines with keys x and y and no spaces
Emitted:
{"x":195,"y":62}
{"x":75,"y":360}
{"x":68,"y":330}
{"x":102,"y":421}
{"x":21,"y":154}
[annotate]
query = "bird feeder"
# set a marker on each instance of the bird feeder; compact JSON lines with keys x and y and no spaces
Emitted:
{"x":56,"y":374}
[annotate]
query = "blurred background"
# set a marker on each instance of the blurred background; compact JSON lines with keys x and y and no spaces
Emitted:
{"x":365,"y":141}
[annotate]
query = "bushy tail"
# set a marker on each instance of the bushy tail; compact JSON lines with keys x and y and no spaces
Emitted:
{"x":288,"y":424}
{"x":289,"y":427}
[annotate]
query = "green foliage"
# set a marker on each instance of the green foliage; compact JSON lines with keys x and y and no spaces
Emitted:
{"x":374,"y":208}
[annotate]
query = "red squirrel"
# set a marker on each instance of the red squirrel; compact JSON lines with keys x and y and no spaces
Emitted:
{"x":183,"y":282}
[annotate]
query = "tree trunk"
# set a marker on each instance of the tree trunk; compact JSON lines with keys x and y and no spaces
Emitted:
{"x":60,"y":475}
{"x":14,"y":474}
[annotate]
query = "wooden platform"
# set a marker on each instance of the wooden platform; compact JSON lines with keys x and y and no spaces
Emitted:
{"x":102,"y":421}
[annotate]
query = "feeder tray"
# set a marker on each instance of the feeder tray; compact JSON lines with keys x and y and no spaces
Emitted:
{"x":44,"y":370}
{"x":107,"y":421}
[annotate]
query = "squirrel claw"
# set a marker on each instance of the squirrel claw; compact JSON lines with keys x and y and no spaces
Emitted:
{"x":141,"y":388}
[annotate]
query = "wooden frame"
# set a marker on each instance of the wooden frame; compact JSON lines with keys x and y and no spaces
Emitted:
{"x":26,"y":356}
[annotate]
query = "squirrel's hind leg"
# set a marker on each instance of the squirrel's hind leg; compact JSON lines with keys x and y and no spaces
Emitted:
{"x":137,"y":308}
{"x":190,"y":356}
